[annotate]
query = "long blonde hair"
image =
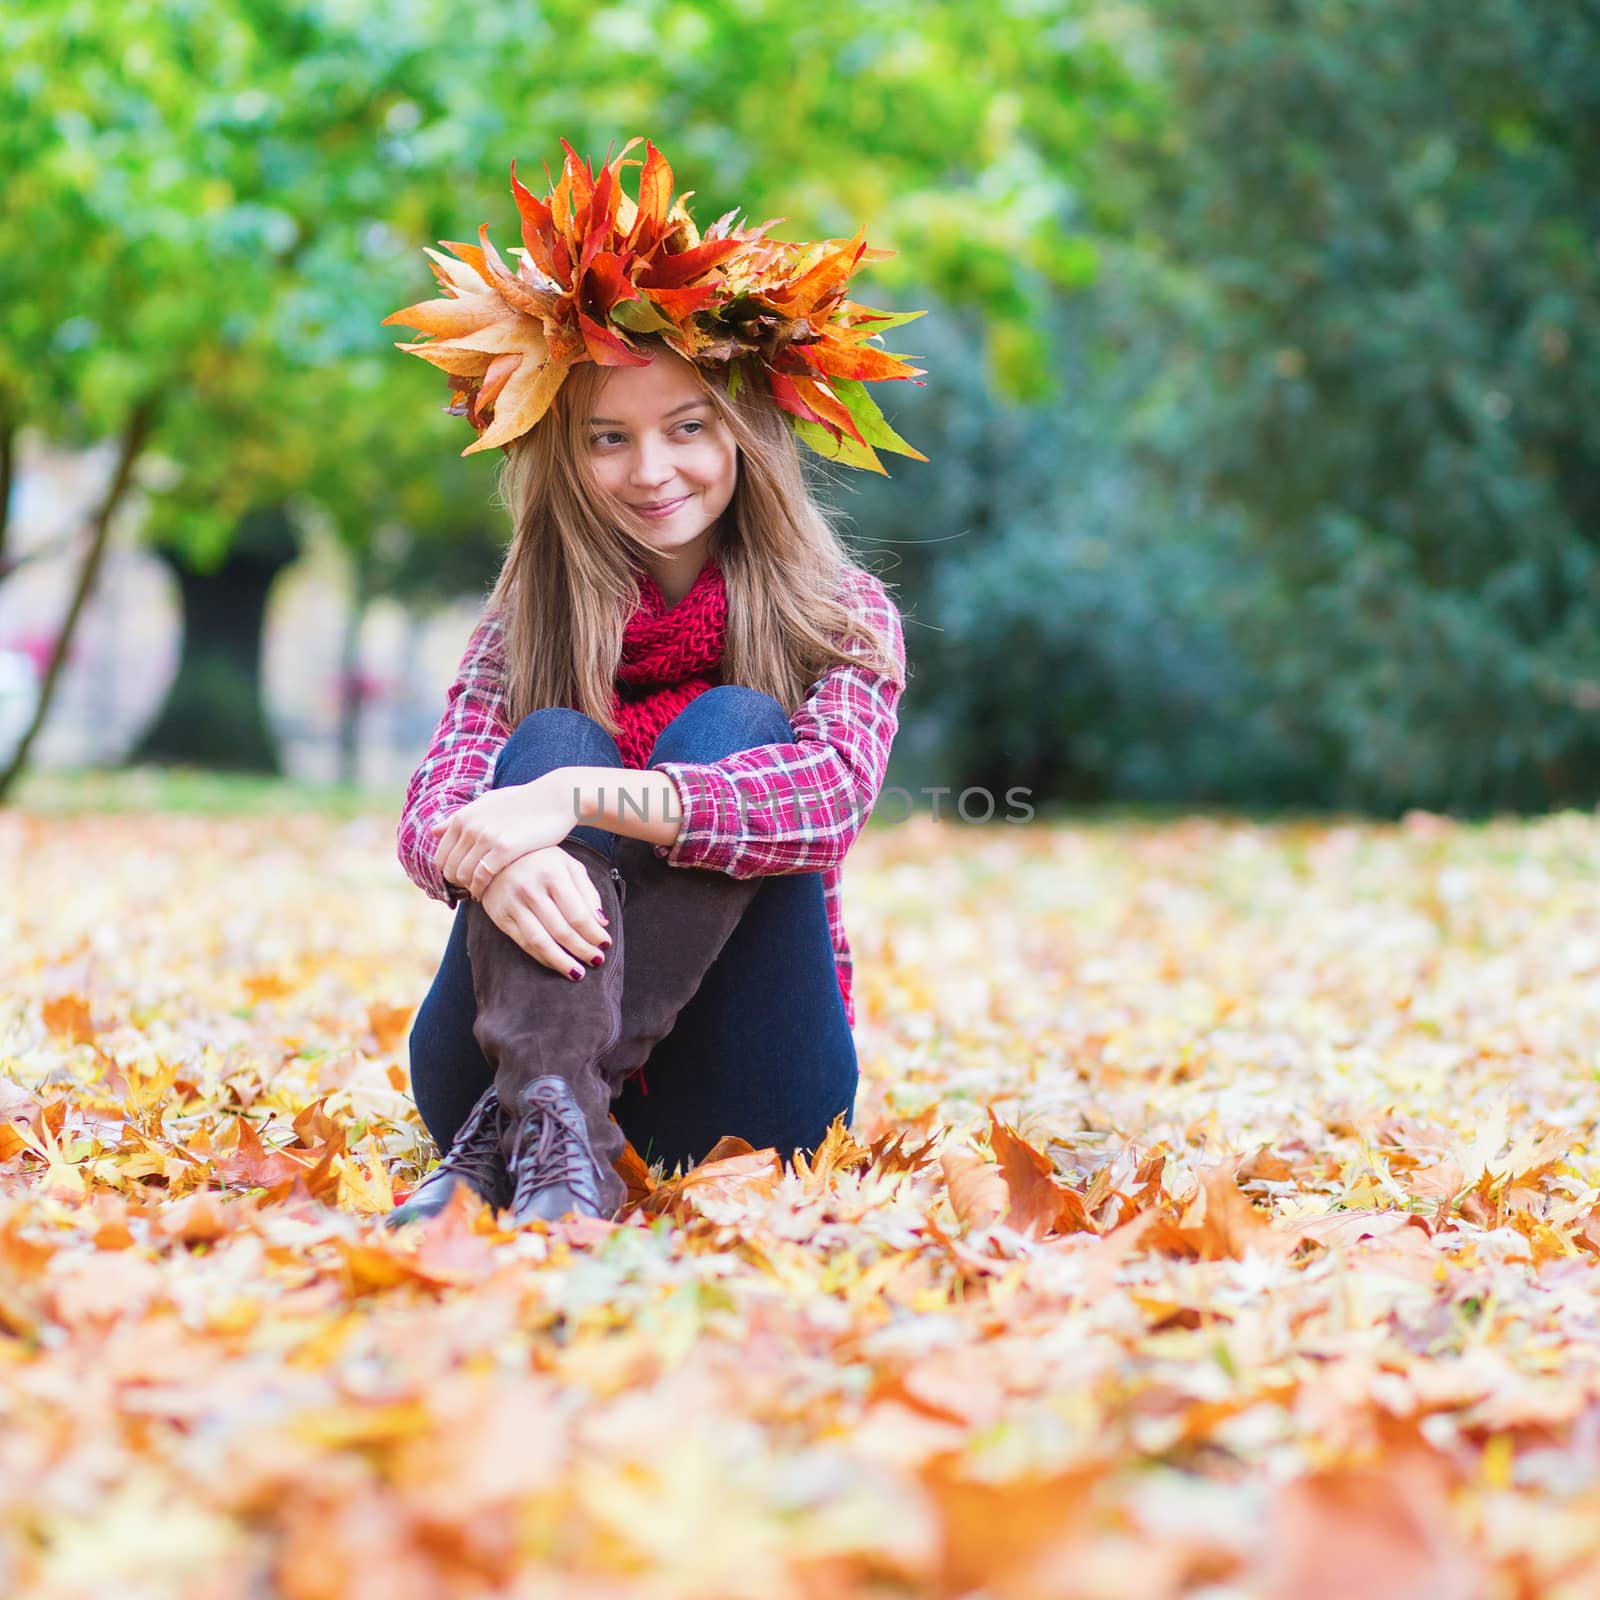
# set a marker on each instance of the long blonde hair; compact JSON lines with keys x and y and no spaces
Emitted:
{"x":567,"y":585}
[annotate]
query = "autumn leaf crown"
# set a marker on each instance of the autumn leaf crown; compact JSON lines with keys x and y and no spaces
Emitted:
{"x":597,"y":266}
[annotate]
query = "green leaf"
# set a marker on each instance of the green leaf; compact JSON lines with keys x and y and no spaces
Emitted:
{"x":641,"y":316}
{"x":890,"y":319}
{"x":856,"y":399}
{"x":844,"y":449}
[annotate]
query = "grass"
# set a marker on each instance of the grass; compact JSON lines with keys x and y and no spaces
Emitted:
{"x":190,"y":790}
{"x":203,"y":792}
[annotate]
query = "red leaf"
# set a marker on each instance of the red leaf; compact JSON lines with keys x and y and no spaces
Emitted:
{"x":608,"y":280}
{"x":537,"y":225}
{"x":253,"y":1165}
{"x":596,"y":221}
{"x":605,"y":348}
{"x":675,"y":271}
{"x":839,"y":360}
{"x":572,"y":194}
{"x":679,"y":304}
{"x":655,"y":201}
{"x":792,"y":401}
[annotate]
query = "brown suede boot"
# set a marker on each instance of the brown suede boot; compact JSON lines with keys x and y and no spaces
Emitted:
{"x":544,"y":1036}
{"x":678,"y":919}
{"x":475,"y":1159}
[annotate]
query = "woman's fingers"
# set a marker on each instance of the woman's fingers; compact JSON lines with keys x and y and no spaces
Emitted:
{"x":475,"y":866}
{"x":531,"y":934}
{"x":596,"y":927}
{"x":457,"y":853}
{"x":585,"y":885}
{"x":559,"y":926}
{"x":480,"y":870}
{"x":579,"y":929}
{"x":443,"y":852}
{"x":452,"y":855}
{"x":547,"y":902}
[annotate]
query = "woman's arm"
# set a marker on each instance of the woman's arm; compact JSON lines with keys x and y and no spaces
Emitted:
{"x":798,"y":806}
{"x":642,"y":805}
{"x":460,"y":759}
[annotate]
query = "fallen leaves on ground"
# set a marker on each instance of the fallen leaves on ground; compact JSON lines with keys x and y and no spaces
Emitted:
{"x":1219,"y":1218}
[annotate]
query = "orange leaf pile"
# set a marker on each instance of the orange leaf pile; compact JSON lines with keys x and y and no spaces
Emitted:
{"x":1228,"y":1223}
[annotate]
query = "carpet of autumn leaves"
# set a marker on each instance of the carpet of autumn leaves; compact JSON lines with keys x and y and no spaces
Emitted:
{"x":1219,"y":1219}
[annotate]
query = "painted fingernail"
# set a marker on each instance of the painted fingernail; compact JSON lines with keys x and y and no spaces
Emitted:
{"x":598,"y":961}
{"x":575,"y":974}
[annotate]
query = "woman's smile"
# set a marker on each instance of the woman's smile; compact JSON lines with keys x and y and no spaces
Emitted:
{"x":663,"y":508}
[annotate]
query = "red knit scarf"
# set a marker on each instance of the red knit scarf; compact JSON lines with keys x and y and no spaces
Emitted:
{"x":668,"y":659}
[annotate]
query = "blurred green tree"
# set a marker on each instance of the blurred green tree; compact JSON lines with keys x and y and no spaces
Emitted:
{"x":212,"y":206}
{"x":1070,"y":621}
{"x":1380,"y":222}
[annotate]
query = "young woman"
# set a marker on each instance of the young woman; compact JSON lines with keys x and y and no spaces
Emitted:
{"x":675,"y":713}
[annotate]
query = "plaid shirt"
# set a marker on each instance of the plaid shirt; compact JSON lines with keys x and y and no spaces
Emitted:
{"x":780,"y":808}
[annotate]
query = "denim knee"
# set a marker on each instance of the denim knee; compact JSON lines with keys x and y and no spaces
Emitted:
{"x":720,"y":722}
{"x":554,"y":736}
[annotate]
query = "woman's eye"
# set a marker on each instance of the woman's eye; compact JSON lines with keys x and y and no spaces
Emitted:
{"x":687,"y":430}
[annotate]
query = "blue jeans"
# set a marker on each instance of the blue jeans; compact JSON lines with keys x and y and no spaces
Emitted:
{"x":762,"y":1050}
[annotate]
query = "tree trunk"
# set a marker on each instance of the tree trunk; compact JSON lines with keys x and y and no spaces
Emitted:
{"x":213,"y":716}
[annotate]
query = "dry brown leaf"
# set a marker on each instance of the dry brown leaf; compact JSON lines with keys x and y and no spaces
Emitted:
{"x":67,"y":1017}
{"x":1035,"y":1199}
{"x":389,"y":1025}
{"x":1220,"y":1223}
{"x":731,"y":1170}
{"x":978,"y":1193}
{"x":992,"y":1530}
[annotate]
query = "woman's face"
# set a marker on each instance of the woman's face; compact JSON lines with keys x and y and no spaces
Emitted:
{"x":657,"y":443}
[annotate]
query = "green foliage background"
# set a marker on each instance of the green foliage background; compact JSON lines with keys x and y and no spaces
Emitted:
{"x":1264,"y":459}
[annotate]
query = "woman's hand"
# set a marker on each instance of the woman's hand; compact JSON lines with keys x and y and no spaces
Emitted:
{"x":484,"y":837}
{"x":546,"y":901}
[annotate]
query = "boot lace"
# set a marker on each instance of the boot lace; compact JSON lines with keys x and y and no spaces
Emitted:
{"x":550,"y":1145}
{"x":476,"y":1154}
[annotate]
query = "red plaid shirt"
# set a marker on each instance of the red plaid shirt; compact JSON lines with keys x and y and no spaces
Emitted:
{"x":779,"y":808}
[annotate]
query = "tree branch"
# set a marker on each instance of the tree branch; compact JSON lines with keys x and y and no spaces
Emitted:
{"x":134,"y":437}
{"x":8,"y":462}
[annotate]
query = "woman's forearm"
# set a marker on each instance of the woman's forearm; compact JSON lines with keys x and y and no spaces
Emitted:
{"x":641,"y":805}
